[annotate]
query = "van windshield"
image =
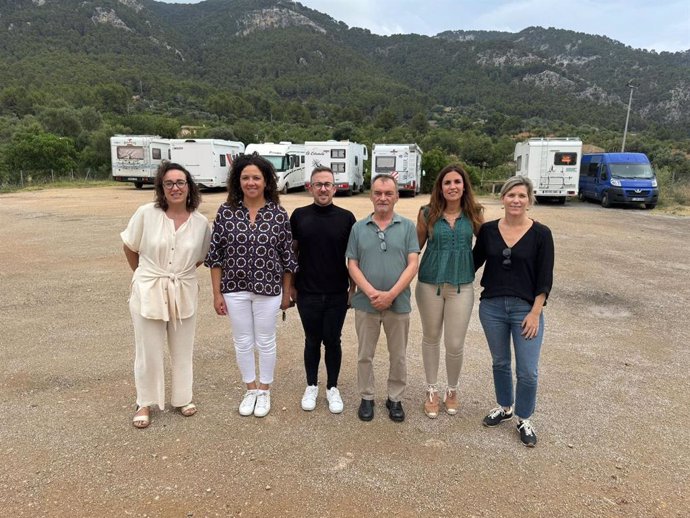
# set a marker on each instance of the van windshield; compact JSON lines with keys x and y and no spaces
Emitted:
{"x":631,"y":171}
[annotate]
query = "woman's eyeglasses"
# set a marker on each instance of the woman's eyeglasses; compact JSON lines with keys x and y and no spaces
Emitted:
{"x":382,"y":237}
{"x":179,"y":184}
{"x":507,"y":263}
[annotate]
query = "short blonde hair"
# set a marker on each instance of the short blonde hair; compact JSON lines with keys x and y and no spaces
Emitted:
{"x":516,"y":181}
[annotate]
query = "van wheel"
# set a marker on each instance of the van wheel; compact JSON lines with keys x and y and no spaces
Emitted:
{"x":649,"y":206}
{"x":285,"y":188}
{"x":138,"y":185}
{"x":605,"y":202}
{"x":581,"y":196}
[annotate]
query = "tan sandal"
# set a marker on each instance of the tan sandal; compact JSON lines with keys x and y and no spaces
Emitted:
{"x":141,"y":421}
{"x":188,"y":410}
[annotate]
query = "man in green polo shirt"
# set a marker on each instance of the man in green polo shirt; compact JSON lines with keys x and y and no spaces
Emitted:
{"x":382,"y":255}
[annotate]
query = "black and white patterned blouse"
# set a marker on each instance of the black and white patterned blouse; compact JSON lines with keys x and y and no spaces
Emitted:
{"x":252,"y":256}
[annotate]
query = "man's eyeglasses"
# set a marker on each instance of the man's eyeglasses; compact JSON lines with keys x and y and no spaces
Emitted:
{"x":507,"y":263}
{"x":319,"y":185}
{"x":382,"y":237}
{"x":179,"y":184}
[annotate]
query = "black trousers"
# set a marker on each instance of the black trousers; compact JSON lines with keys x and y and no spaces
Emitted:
{"x":322,"y":319}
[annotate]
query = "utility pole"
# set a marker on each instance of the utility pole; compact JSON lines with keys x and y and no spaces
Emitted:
{"x":627,"y":117}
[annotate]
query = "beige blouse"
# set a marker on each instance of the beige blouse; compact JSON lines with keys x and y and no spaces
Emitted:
{"x":165,"y":280}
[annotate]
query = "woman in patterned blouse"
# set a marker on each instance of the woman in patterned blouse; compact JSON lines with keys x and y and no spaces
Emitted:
{"x":252,"y":261}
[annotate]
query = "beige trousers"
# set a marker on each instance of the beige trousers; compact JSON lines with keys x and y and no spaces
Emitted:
{"x":149,"y":374}
{"x":396,"y":326}
{"x":444,"y":314}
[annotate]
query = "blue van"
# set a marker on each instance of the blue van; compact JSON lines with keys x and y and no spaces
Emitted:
{"x":618,"y":178}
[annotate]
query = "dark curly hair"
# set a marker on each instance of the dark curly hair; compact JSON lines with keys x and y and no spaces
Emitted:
{"x":235,"y":194}
{"x":468,"y":203}
{"x":193,"y":195}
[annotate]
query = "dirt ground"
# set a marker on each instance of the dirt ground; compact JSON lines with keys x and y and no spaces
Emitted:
{"x":611,"y":417}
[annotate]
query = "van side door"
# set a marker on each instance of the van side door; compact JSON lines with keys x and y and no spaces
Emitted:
{"x":592,"y":177}
{"x":603,"y":180}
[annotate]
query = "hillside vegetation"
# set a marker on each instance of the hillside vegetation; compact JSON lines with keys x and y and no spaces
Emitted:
{"x":74,"y":72}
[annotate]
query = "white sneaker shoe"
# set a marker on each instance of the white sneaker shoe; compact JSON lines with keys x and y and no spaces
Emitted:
{"x":335,"y":402}
{"x":263,"y":403}
{"x":309,"y":398}
{"x":248,"y":403}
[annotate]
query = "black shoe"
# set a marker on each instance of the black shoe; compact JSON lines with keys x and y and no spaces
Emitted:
{"x":366,"y":410}
{"x":395,"y":411}
{"x":527,"y":435}
{"x":496,"y":416}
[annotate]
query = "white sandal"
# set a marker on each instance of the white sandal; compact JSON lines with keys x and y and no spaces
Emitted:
{"x":188,"y":410}
{"x":141,"y":421}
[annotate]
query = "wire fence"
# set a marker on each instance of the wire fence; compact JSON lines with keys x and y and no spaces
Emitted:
{"x":25,"y":178}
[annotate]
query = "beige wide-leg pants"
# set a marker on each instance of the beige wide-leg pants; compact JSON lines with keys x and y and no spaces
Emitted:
{"x":149,"y":374}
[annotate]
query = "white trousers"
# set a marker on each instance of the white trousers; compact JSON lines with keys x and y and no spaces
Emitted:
{"x":254,"y":319}
{"x":149,"y":373}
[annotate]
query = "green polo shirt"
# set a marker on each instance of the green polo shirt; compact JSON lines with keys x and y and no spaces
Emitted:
{"x":382,"y":268}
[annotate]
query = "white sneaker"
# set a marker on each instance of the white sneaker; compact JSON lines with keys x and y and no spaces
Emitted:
{"x":309,"y":398}
{"x":248,"y":403}
{"x":263,"y":403}
{"x":335,"y":402}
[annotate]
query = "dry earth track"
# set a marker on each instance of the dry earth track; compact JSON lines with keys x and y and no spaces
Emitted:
{"x":612,"y":411}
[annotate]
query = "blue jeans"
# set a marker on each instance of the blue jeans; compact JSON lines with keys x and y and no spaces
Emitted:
{"x":502,"y":317}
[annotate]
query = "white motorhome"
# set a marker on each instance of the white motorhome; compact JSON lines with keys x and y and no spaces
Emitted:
{"x":135,"y":158}
{"x":553,"y":165}
{"x":207,"y":160}
{"x":403,"y":161}
{"x":346,"y":160}
{"x":287,"y":159}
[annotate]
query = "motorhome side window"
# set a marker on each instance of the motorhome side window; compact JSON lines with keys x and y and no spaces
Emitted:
{"x":565,"y":159}
{"x":222,"y":160}
{"x":338,"y":167}
{"x":518,"y":163}
{"x":155,"y":153}
{"x":385,"y":164}
{"x":337,"y":153}
{"x":130,"y":152}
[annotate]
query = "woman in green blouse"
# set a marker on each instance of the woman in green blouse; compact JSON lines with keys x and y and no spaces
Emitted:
{"x":444,"y":292}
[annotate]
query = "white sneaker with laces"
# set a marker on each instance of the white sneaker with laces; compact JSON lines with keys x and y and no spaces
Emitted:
{"x":248,"y":403}
{"x":335,"y":402}
{"x":309,"y":398}
{"x":263,"y":403}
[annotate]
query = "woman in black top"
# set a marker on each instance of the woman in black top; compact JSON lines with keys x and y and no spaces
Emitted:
{"x":517,"y":279}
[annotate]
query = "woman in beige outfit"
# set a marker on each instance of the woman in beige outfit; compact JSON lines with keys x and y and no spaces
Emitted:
{"x":165,"y":241}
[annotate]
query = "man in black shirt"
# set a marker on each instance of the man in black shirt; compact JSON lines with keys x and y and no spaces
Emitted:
{"x":322,"y":286}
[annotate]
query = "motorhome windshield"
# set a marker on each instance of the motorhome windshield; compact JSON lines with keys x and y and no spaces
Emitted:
{"x":278,"y":162}
{"x":631,"y":171}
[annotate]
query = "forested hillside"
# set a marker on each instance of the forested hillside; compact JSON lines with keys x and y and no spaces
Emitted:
{"x":73,"y":72}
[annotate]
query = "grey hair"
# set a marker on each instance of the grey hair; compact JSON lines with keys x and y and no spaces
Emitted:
{"x":516,"y":181}
{"x":385,"y":177}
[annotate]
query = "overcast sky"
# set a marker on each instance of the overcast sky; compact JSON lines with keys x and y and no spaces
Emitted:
{"x":661,"y":25}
